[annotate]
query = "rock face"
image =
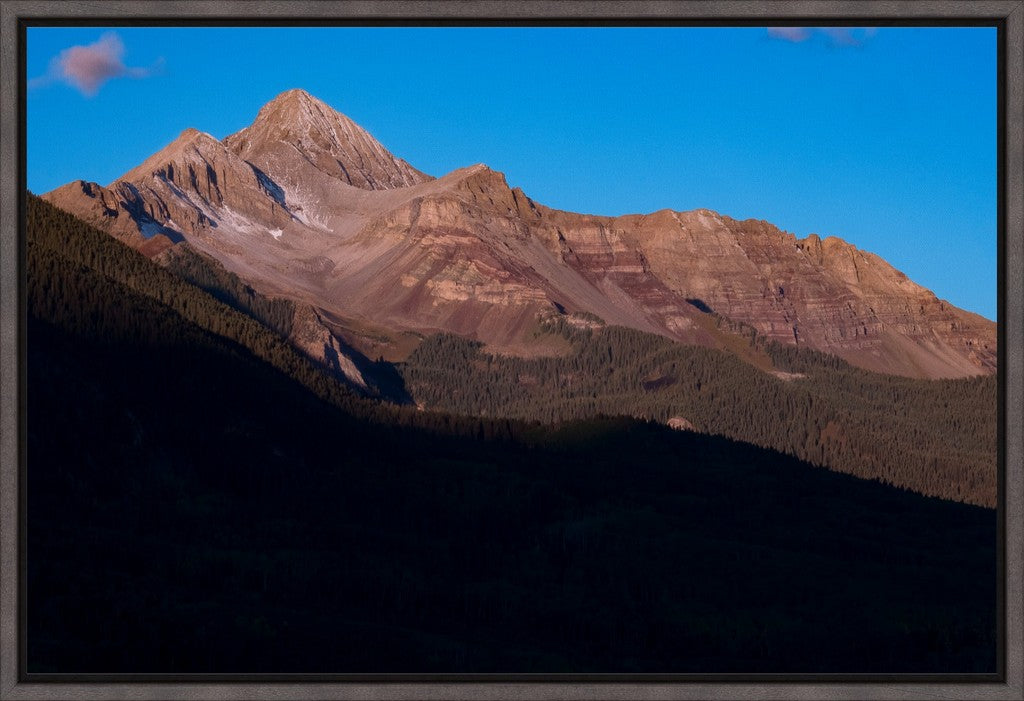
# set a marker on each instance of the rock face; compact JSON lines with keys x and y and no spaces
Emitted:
{"x":825,"y":294}
{"x":296,"y":129}
{"x":306,"y":204}
{"x":680,"y":424}
{"x":115,"y":211}
{"x":312,"y":337}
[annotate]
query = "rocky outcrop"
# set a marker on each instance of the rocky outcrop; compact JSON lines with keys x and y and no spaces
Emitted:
{"x":108,"y":210}
{"x":312,"y":337}
{"x":307,"y":205}
{"x":680,"y":424}
{"x":296,"y":127}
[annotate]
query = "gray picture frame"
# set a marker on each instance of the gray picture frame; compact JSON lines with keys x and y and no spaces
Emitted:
{"x":1010,"y":685}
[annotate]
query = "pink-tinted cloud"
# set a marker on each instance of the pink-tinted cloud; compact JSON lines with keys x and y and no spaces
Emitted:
{"x":794,"y":34}
{"x":89,"y":67}
{"x":837,"y":36}
{"x":848,"y":36}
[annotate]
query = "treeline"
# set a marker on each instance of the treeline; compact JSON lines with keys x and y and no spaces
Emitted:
{"x":210,"y":276}
{"x":935,"y":437}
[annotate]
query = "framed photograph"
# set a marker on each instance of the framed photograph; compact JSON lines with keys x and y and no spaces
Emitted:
{"x":531,"y":350}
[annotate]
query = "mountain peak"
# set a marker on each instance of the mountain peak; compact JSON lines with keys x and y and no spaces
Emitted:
{"x":192,"y":136}
{"x":294,"y":95}
{"x":291,"y":104}
{"x":190,"y":145}
{"x":295,"y":126}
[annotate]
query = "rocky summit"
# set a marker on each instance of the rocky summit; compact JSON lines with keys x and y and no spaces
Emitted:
{"x":307,"y":205}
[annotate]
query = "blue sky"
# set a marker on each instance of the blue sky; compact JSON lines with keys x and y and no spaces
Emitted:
{"x":886,"y":138}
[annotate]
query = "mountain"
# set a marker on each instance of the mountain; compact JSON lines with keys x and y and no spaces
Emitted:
{"x":210,"y":491}
{"x":198,"y":493}
{"x":306,"y":205}
{"x":935,"y":437}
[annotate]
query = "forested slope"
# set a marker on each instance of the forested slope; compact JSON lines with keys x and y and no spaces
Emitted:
{"x":937,"y":437}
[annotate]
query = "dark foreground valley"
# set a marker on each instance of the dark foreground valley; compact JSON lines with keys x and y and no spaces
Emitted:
{"x":201,"y":498}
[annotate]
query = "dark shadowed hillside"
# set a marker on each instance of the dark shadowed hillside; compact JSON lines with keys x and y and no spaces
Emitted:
{"x":937,"y":437}
{"x":203,"y":498}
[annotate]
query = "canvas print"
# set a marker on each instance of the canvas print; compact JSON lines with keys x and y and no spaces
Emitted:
{"x":497,"y":349}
